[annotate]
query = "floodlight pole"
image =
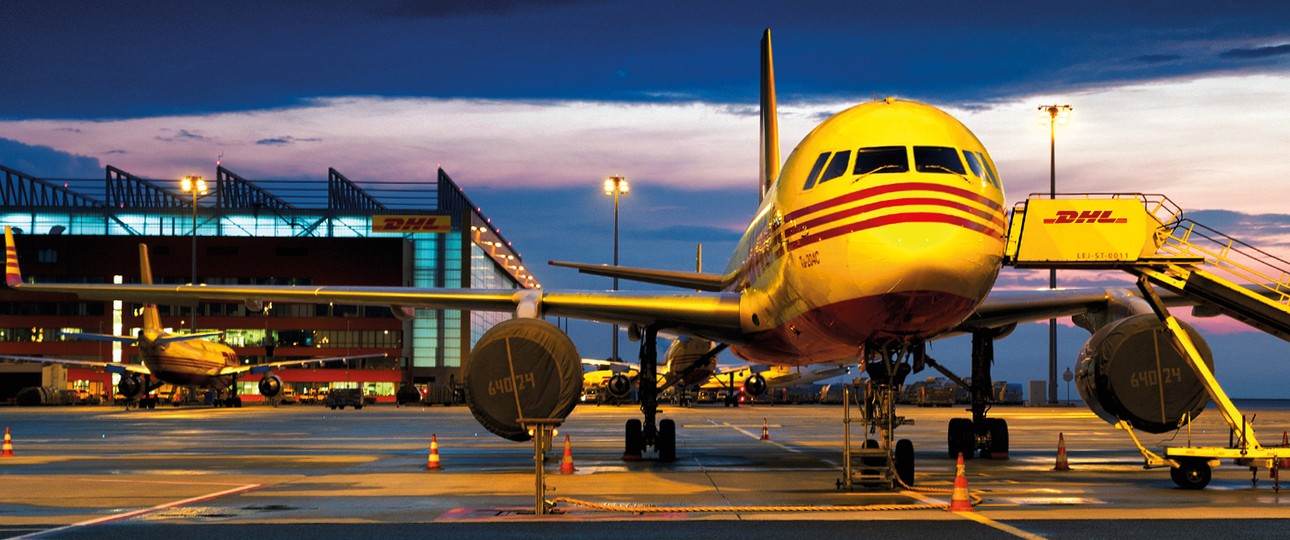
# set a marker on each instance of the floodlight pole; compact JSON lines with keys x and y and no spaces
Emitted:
{"x":1054,"y":111}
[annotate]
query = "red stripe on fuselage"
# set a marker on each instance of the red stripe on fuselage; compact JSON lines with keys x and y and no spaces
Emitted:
{"x":909,"y":217}
{"x":892,"y":188}
{"x":995,"y":217}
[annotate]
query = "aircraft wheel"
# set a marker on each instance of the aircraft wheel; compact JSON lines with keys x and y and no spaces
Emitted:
{"x":666,"y":443}
{"x":1191,"y":473}
{"x":237,"y":402}
{"x":998,"y":428}
{"x":905,"y":461}
{"x":635,"y":440}
{"x":961,"y":438}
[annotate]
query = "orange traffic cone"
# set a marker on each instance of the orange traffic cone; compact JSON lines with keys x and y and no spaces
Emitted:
{"x":1062,"y":464}
{"x":566,"y":464}
{"x":765,"y":432}
{"x":959,"y":502}
{"x":8,"y":444}
{"x":432,"y":463}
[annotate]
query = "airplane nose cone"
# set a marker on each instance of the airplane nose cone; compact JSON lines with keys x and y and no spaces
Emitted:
{"x":921,"y":279}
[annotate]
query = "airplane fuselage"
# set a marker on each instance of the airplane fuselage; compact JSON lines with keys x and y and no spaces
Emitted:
{"x":885,"y":227}
{"x":187,"y":362}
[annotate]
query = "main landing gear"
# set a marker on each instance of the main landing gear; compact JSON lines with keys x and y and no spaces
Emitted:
{"x":989,"y":435}
{"x":647,"y":433}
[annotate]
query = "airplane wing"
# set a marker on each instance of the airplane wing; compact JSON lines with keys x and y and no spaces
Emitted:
{"x":263,"y":368}
{"x":110,"y":367}
{"x":713,"y":315}
{"x":1007,"y":307}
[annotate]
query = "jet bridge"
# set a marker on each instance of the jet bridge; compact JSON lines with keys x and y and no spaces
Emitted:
{"x":1147,"y":236}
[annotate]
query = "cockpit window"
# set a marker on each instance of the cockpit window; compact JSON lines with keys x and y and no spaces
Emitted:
{"x":815,"y":170}
{"x":881,"y":159}
{"x":975,"y":165}
{"x":994,"y":179}
{"x":837,"y":166}
{"x":938,"y":159}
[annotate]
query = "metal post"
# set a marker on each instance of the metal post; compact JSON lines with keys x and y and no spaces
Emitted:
{"x":846,"y":437}
{"x":542,"y":429}
{"x":193,"y":313}
{"x":1052,"y":272}
{"x":614,"y":352}
{"x":539,"y":470}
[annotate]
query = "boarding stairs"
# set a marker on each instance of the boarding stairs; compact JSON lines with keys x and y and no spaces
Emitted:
{"x":1146,"y":235}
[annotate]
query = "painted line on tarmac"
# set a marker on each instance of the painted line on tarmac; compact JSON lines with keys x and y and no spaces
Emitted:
{"x":974,"y":516}
{"x":144,"y":511}
{"x":757,"y":436}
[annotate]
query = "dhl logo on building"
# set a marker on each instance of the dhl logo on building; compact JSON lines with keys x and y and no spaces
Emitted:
{"x":414,"y":224}
{"x":1086,"y":216}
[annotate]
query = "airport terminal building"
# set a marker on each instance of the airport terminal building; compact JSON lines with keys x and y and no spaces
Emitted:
{"x":416,"y":234}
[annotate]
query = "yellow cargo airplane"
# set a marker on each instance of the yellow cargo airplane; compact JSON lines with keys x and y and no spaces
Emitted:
{"x":884,"y":230}
{"x":177,"y":359}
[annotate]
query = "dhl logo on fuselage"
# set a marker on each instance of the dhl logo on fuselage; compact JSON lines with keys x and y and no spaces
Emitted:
{"x":422,"y":224}
{"x":1086,"y":216}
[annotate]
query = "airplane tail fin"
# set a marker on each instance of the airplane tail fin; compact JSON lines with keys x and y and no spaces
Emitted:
{"x":151,"y":319}
{"x":769,"y":120}
{"x":12,"y":276}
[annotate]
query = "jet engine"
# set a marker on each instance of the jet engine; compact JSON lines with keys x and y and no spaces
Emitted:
{"x":522,"y":368}
{"x":270,"y":385}
{"x":755,"y":384}
{"x":1131,"y":370}
{"x":130,"y":386}
{"x":619,"y":386}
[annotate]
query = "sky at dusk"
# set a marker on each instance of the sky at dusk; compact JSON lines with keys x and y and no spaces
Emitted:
{"x":528,"y":105}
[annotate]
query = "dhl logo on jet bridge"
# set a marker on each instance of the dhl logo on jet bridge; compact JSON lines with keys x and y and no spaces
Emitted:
{"x":1087,"y":216}
{"x":1110,"y":229}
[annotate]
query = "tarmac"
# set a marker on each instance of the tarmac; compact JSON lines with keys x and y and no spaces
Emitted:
{"x":302,"y":471}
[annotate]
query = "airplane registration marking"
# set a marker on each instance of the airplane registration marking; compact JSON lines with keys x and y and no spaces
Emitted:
{"x":810,"y":259}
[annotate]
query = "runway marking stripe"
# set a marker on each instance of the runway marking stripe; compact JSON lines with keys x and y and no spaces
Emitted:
{"x":144,"y":511}
{"x":977,"y":517}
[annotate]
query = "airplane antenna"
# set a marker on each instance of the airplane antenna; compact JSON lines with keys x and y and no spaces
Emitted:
{"x":769,"y":120}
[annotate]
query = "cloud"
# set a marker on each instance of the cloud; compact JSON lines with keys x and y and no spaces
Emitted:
{"x":1258,"y":52}
{"x":47,"y":162}
{"x":287,"y":139}
{"x":182,"y":135}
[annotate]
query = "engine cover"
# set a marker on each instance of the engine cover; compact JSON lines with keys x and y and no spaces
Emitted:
{"x":522,"y":368}
{"x":270,"y":385}
{"x":1131,"y":370}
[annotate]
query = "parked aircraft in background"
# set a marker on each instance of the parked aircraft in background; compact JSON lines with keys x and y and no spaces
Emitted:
{"x":176,"y":359}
